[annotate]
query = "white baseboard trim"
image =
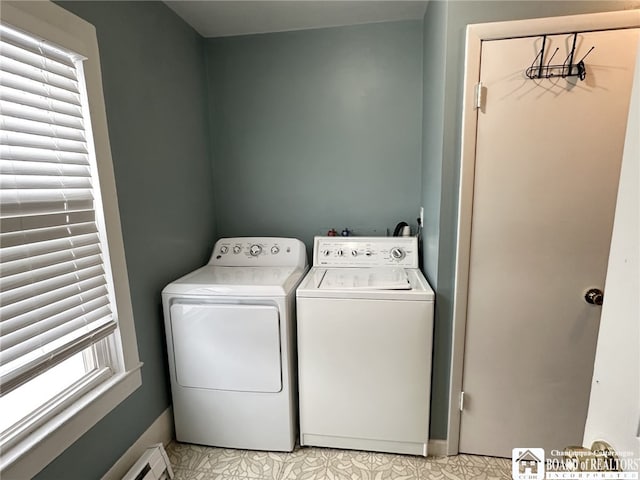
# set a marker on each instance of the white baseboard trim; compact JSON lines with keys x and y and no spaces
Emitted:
{"x":160,"y":431}
{"x":437,"y":448}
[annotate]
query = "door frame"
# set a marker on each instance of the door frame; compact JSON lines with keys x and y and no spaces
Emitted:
{"x":475,"y":35}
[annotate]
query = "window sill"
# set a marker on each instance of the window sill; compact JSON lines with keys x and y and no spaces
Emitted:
{"x":34,"y":452}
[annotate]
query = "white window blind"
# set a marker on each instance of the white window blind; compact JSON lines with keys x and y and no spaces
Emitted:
{"x":54,"y":297}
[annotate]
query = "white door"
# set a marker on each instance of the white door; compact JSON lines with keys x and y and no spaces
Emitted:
{"x":548,"y":155}
{"x":227,"y":347}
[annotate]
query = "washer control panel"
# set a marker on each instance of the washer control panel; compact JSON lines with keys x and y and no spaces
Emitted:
{"x":258,"y":251}
{"x":365,"y":251}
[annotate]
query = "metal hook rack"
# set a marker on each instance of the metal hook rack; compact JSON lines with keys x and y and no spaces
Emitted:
{"x":567,"y":69}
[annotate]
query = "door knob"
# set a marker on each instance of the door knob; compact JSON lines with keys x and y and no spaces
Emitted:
{"x":594,"y":296}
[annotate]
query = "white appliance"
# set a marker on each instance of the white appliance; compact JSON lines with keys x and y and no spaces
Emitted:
{"x":365,"y":326}
{"x":230,"y":329}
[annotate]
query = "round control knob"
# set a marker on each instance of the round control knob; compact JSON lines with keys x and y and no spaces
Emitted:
{"x":237,"y":249}
{"x":354,"y":253}
{"x":397,"y":253}
{"x":255,"y":250}
{"x":275,"y":249}
{"x":224,"y":249}
{"x":340,"y":252}
{"x":326,"y":253}
{"x":368,"y":253}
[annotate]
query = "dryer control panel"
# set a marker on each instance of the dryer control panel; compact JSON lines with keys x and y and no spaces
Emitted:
{"x":365,"y":252}
{"x":259,"y":252}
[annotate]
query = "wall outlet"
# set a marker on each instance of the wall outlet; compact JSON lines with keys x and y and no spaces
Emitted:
{"x":422,"y":216}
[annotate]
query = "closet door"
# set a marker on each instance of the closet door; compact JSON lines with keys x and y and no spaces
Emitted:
{"x":547,"y":165}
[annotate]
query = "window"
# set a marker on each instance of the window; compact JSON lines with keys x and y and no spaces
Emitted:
{"x":67,"y":343}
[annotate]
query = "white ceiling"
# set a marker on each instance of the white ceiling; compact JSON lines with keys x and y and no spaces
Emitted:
{"x":216,"y":18}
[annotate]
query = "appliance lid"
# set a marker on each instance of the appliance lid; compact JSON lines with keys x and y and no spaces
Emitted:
{"x":210,"y":279}
{"x":381,"y":278}
{"x":314,"y":286}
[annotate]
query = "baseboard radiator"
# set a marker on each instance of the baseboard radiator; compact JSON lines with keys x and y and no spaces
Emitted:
{"x":153,"y":464}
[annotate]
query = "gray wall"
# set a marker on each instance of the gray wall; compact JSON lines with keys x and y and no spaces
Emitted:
{"x":435,"y":38}
{"x":433,"y":83}
{"x":317,"y":129}
{"x":457,"y":15}
{"x":155,"y":92}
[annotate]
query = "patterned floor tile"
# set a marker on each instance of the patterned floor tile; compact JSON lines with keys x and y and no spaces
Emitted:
{"x":388,"y":466}
{"x":188,"y":456}
{"x":463,"y":467}
{"x":430,"y":468}
{"x":188,"y":474}
{"x":216,"y":463}
{"x":348,"y":465}
{"x":192,"y":462}
{"x":259,"y":465}
{"x":304,"y":464}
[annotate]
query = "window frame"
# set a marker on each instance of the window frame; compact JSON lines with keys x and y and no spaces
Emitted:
{"x":31,"y":454}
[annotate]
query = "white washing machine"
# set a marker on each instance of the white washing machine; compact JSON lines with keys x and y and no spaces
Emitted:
{"x":230,"y":329}
{"x":365,"y":326}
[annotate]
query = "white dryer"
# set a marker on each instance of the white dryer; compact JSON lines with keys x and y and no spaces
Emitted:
{"x":365,"y":326}
{"x":230,"y":329}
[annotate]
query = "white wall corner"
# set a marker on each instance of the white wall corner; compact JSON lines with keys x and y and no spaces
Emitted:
{"x":160,"y":431}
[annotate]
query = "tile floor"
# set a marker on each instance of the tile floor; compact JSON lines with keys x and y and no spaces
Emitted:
{"x":194,"y":462}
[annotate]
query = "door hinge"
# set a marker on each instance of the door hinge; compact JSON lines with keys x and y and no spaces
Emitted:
{"x":479,"y":95}
{"x":461,"y":401}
